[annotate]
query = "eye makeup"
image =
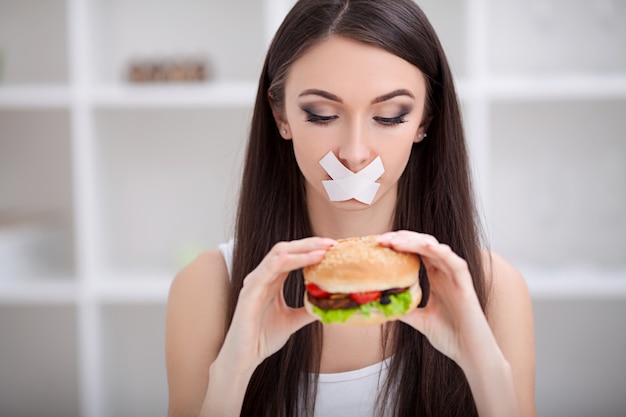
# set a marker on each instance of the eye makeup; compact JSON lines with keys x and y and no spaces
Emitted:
{"x":316,"y":115}
{"x":386,"y":121}
{"x":392,"y":121}
{"x":313,"y":117}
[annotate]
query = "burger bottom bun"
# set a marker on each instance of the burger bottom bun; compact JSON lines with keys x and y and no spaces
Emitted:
{"x":376,"y":316}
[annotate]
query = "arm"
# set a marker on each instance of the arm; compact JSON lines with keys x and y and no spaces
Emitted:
{"x":195,"y":333}
{"x":510,"y":316}
{"x":504,"y":371}
{"x":209,"y":368}
{"x":195,"y":330}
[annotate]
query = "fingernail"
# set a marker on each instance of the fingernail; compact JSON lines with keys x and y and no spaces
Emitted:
{"x":326,"y":242}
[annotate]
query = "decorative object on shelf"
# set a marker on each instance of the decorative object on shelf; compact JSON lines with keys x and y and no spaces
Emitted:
{"x":168,"y":70}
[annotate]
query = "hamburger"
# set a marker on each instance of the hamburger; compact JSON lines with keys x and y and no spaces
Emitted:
{"x":359,"y":282}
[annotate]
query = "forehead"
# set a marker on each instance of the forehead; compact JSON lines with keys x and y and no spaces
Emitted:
{"x":353,"y":70}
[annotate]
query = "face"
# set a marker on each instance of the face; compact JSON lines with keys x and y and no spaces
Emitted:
{"x":358,"y":101}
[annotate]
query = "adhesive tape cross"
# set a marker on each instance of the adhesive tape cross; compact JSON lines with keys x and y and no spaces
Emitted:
{"x":345,"y":184}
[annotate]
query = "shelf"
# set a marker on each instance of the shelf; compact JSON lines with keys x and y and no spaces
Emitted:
{"x":109,"y":290}
{"x":216,"y":95}
{"x":576,"y":283}
{"x":34,"y":97}
{"x":112,"y":290}
{"x":134,"y":290}
{"x":563,"y":87}
{"x":117,"y":290}
{"x":39,"y":291}
{"x":222,"y":95}
{"x":542,"y":88}
{"x":239,"y":94}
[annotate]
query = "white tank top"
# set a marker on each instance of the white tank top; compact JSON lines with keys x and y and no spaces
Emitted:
{"x":342,"y":394}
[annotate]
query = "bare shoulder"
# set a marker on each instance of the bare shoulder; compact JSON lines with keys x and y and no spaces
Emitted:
{"x":195,"y":329}
{"x":201,"y":290}
{"x":510,"y":316}
{"x":503,"y":279}
{"x":509,"y":299}
{"x":206,"y":271}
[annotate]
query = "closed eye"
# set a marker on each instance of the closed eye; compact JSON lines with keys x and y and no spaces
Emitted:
{"x":317,"y":118}
{"x":392,"y":121}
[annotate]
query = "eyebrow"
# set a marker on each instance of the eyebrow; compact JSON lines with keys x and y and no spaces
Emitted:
{"x":379,"y":99}
{"x":395,"y":93}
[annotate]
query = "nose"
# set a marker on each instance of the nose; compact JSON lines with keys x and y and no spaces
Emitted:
{"x":355,"y":151}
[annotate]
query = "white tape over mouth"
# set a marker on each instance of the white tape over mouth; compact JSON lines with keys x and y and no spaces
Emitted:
{"x":346,"y":185}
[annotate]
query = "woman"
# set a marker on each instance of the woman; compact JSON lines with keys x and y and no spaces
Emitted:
{"x":357,"y":80}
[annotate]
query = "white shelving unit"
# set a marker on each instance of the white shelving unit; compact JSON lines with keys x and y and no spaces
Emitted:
{"x":107,"y":188}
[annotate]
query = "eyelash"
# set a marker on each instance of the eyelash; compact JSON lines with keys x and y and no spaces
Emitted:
{"x":392,"y":121}
{"x":386,"y":121}
{"x":316,"y":118}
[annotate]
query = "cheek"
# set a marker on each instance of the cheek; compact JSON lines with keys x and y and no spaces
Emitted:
{"x":311,"y":145}
{"x":308,"y":153}
{"x":396,"y":161}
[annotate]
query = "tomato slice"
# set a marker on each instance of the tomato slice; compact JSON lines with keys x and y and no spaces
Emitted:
{"x":365,"y":297}
{"x":316,"y":291}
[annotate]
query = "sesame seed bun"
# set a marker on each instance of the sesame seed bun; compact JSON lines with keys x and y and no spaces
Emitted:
{"x":360,"y":264}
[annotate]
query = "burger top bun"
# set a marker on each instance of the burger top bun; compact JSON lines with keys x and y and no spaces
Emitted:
{"x":360,"y":264}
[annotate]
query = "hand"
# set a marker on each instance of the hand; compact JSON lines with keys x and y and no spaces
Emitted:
{"x":262,"y":321}
{"x":452,"y":320}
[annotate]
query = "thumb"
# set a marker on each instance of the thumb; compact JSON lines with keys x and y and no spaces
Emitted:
{"x":415,"y":319}
{"x":298,"y":318}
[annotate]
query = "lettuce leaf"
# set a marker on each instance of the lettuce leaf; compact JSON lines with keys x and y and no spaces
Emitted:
{"x":334,"y":316}
{"x":399,"y":304}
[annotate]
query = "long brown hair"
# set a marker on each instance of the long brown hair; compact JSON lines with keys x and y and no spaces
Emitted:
{"x":434,"y":196}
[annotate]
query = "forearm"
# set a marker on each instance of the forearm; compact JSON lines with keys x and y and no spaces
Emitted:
{"x":226,"y":389}
{"x":493,"y":388}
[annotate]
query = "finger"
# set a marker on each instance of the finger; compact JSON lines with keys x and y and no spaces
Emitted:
{"x":308,"y":249}
{"x":303,"y":245}
{"x":444,"y":258}
{"x":434,"y":253}
{"x":439,"y":259}
{"x":416,"y":319}
{"x":407,"y":241}
{"x":288,"y":256}
{"x":284,"y":262}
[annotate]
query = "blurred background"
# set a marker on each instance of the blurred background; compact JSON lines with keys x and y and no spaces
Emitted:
{"x":122,"y":125}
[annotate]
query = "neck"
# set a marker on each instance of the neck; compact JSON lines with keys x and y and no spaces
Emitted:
{"x":350,"y":218}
